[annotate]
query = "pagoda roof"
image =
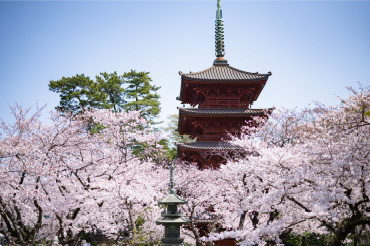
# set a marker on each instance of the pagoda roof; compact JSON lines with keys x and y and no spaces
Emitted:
{"x":209,"y":145}
{"x":224,"y":72}
{"x":225,"y":111}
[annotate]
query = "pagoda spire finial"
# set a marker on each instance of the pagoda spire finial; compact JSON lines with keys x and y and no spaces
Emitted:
{"x":219,"y":35}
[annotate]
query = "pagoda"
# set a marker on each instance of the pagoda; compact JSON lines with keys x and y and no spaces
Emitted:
{"x":224,"y":96}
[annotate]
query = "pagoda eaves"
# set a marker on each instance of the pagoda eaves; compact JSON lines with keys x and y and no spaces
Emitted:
{"x":207,"y":154}
{"x":214,"y":124}
{"x":224,"y":72}
{"x":221,"y":112}
{"x":209,"y":146}
{"x":221,"y":85}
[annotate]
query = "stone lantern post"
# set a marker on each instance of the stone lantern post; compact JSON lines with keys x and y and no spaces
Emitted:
{"x":172,"y":217}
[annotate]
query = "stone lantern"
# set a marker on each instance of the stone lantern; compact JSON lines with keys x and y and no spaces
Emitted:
{"x":172,"y":217}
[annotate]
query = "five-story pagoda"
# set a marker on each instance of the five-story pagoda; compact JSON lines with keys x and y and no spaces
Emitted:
{"x":224,"y":96}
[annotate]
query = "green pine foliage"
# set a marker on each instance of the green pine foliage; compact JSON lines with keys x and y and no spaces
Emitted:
{"x":141,"y":94}
{"x":130,"y":91}
{"x":77,"y":93}
{"x":111,"y":85}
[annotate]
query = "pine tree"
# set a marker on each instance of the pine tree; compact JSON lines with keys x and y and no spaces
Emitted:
{"x":141,"y":94}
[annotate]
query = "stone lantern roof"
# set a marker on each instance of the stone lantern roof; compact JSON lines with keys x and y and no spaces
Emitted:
{"x":172,"y":199}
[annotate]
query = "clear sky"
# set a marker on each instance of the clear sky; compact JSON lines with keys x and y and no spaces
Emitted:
{"x":313,"y":48}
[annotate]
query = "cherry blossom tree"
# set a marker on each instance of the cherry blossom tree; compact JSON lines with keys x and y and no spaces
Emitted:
{"x":317,"y":183}
{"x":61,"y":179}
{"x":196,"y":185}
{"x":137,"y":182}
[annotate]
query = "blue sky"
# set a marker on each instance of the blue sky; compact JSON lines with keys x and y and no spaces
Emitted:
{"x":313,"y":48}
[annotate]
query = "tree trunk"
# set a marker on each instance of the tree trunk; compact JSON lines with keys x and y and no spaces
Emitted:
{"x":241,"y":220}
{"x":338,"y":239}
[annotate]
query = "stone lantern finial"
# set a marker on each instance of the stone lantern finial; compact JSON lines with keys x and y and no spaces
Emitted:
{"x":171,"y":184}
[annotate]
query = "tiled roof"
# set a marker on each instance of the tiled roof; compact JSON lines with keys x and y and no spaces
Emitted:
{"x":224,"y":72}
{"x":208,"y":146}
{"x":225,"y":111}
